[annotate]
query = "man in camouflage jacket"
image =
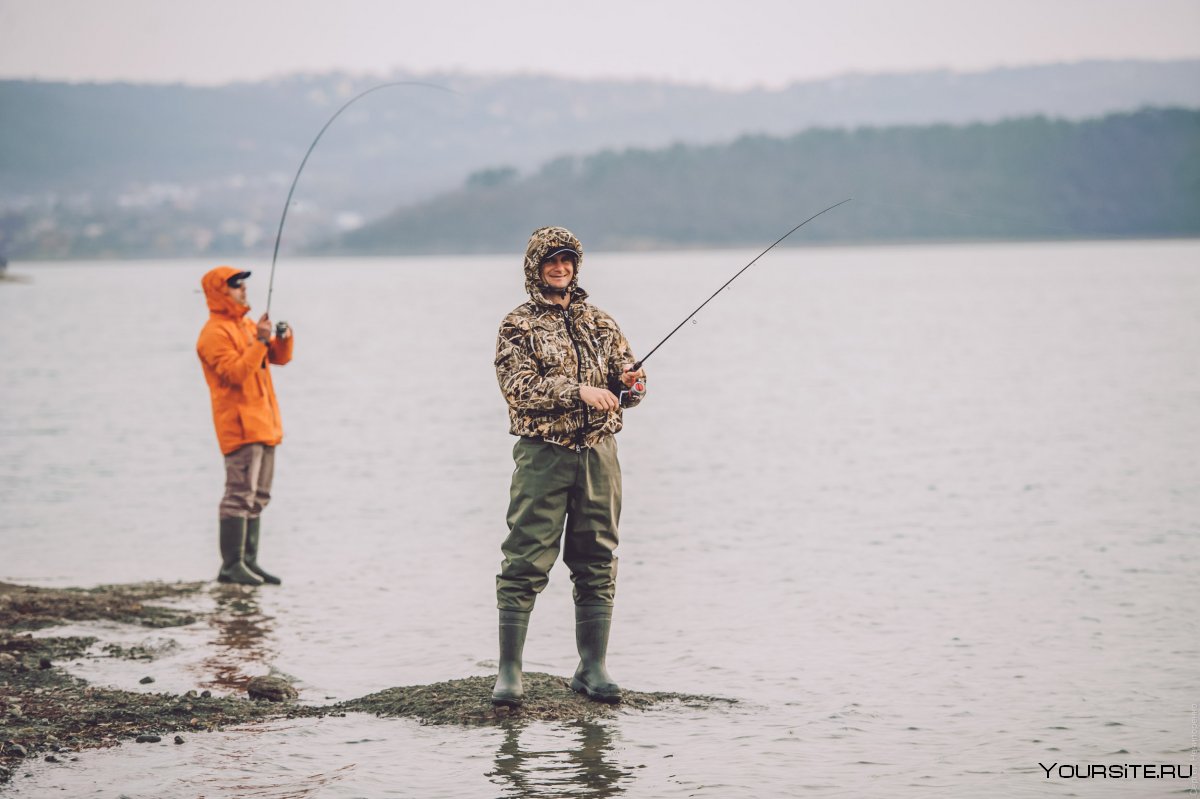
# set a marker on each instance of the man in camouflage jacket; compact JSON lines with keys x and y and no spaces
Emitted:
{"x":565,"y":370}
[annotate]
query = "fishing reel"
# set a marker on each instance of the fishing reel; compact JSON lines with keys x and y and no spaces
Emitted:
{"x":636,"y":390}
{"x":282,"y":330}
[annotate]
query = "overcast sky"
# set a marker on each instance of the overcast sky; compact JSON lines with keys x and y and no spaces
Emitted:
{"x":737,"y":43}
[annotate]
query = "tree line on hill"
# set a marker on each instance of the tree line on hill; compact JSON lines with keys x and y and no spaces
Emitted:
{"x":1125,"y":175}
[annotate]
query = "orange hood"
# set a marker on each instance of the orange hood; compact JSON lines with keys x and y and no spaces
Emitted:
{"x":219,"y":302}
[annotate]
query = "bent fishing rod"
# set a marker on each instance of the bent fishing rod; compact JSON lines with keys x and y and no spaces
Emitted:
{"x":287,"y":203}
{"x":638,"y":365}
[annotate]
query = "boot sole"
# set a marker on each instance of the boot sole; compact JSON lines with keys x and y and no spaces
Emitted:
{"x":266,"y":577}
{"x":231,"y":581}
{"x":579,"y":687}
{"x":506,"y":701}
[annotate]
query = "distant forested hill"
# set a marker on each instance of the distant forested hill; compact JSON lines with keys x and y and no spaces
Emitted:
{"x":1125,"y":175}
{"x":87,"y":137}
{"x":120,"y":170}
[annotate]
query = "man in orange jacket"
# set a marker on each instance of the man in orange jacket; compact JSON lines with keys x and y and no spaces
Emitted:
{"x":234,"y":353}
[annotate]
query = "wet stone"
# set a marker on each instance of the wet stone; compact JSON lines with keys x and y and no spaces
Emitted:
{"x":52,"y":759}
{"x":178,"y":739}
{"x":15,"y":750}
{"x":146,"y":680}
{"x":273,"y":689}
{"x":148,"y":739}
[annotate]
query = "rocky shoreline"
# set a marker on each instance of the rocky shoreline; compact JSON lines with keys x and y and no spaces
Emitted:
{"x":48,"y":714}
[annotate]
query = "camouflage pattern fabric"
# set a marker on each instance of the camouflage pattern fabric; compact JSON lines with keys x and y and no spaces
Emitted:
{"x":544,"y":353}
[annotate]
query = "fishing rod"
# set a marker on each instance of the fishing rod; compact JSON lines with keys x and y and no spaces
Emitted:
{"x":638,"y":365}
{"x":287,"y":203}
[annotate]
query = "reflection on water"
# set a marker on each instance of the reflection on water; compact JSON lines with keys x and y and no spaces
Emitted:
{"x":244,"y":647}
{"x":583,"y":769}
{"x":245,"y":769}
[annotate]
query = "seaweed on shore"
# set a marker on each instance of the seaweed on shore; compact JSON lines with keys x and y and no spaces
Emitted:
{"x":25,"y":607}
{"x":53,"y":709}
{"x":46,"y":711}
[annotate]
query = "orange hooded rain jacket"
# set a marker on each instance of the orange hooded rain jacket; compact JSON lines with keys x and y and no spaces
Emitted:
{"x":245,"y":410}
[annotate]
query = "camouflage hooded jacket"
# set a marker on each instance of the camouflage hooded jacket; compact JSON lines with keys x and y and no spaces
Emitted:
{"x":544,"y":353}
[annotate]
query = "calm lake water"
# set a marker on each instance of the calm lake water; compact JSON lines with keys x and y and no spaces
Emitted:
{"x":930,"y":514}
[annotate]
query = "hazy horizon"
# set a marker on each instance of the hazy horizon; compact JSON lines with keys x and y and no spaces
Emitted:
{"x":470,"y":75}
{"x":760,"y":44}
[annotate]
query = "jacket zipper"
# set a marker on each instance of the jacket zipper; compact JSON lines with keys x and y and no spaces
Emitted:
{"x":579,"y":438}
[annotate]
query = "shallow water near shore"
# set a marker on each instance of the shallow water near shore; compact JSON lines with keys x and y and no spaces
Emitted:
{"x":930,"y":514}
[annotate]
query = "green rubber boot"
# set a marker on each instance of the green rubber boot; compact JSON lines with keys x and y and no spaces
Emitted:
{"x":509,"y":692}
{"x":592,"y":623}
{"x":253,"y":527}
{"x":233,"y":549}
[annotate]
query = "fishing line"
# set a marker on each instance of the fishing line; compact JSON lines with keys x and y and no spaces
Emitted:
{"x":287,"y":203}
{"x":638,"y":365}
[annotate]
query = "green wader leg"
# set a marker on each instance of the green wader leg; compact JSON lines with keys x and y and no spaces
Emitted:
{"x":537,"y":511}
{"x":589,"y":551}
{"x":593,"y":514}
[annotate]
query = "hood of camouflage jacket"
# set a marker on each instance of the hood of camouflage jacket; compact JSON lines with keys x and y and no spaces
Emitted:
{"x":544,"y":241}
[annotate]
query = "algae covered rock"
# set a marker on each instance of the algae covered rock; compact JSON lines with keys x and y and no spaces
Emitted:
{"x":469,"y":701}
